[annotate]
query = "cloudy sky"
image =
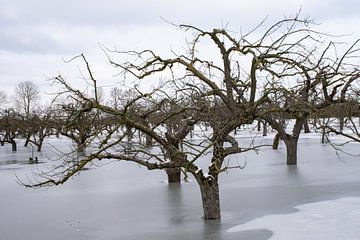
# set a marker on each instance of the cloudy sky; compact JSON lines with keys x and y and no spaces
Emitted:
{"x":36,"y":36}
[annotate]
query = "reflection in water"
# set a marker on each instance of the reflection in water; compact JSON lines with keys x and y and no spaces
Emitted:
{"x":20,"y":162}
{"x":175,"y":202}
{"x":259,"y":234}
{"x":212,"y":230}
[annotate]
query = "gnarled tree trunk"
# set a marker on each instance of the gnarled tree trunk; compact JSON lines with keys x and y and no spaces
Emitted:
{"x":264,"y":129}
{"x":276,"y":141}
{"x":13,"y":146}
{"x":210,"y":199}
{"x":291,"y":149}
{"x":306,"y":127}
{"x":174,"y":175}
{"x":341,"y":124}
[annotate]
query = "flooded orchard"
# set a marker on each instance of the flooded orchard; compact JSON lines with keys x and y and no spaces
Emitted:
{"x":121,"y":200}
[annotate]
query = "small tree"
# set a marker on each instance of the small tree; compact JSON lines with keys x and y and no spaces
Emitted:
{"x":10,"y":124}
{"x":37,"y":127}
{"x":26,"y":96}
{"x":3,"y":98}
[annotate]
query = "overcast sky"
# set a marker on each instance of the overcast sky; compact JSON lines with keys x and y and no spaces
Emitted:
{"x":36,"y":35}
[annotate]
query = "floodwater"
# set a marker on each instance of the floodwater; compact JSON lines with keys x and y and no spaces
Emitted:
{"x":125,"y":201}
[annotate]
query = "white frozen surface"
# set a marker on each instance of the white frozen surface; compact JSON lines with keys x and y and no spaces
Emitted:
{"x":324,"y":220}
{"x":124,"y":201}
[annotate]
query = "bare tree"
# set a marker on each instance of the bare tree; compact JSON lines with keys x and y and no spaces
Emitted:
{"x":26,"y":96}
{"x":36,"y":127}
{"x":318,"y":78}
{"x":3,"y":98}
{"x":223,"y":92}
{"x":350,"y":112}
{"x":10,"y":124}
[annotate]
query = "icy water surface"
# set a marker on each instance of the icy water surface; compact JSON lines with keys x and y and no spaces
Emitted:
{"x":125,"y":201}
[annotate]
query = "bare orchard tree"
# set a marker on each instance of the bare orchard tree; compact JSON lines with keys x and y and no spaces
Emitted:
{"x":223,"y":89}
{"x":37,"y":127}
{"x":79,"y":127}
{"x":10,"y":124}
{"x":26,"y":96}
{"x":318,"y":79}
{"x":350,"y":112}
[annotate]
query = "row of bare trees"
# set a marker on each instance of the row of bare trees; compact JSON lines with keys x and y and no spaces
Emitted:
{"x":287,"y":71}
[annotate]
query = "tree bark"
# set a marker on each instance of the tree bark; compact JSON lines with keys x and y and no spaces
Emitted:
{"x":341,"y":124}
{"x":210,"y":199}
{"x":13,"y":146}
{"x":276,"y":141}
{"x":39,"y":145}
{"x":80,"y":147}
{"x":174,"y":175}
{"x":264,"y":129}
{"x":323,"y":136}
{"x":148,"y":141}
{"x":291,"y":150}
{"x":27,"y":140}
{"x":306,"y":127}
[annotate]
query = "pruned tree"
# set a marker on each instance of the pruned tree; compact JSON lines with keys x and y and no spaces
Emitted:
{"x":80,"y":128}
{"x":222,"y":89}
{"x":10,"y":124}
{"x":318,"y":79}
{"x":350,"y":112}
{"x":36,"y":127}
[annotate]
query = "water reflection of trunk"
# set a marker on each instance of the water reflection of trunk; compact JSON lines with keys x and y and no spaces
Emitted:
{"x":175,"y":202}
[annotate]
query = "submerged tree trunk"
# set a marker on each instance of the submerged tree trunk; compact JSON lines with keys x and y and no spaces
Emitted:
{"x":341,"y":124}
{"x":276,"y":141}
{"x":306,"y":127}
{"x":264,"y":129}
{"x":39,"y":145}
{"x":210,"y":199}
{"x":27,"y":141}
{"x":291,"y":150}
{"x":174,"y":175}
{"x":13,"y":146}
{"x":324,"y":138}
